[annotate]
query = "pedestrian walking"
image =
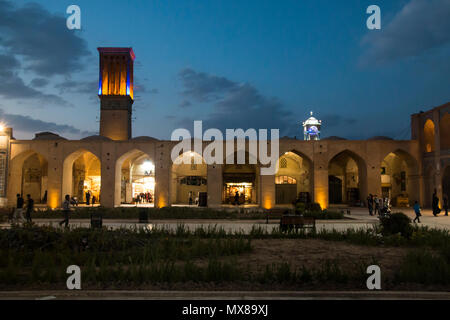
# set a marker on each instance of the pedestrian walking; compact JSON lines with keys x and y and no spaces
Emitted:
{"x":30,"y":207}
{"x":446,"y":205}
{"x":66,"y":211}
{"x":417,"y":212}
{"x":435,"y":204}
{"x":18,"y":215}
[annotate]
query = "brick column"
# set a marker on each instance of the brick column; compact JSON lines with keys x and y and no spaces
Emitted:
{"x":215,"y":185}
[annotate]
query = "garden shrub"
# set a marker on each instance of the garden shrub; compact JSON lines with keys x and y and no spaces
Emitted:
{"x":396,"y":223}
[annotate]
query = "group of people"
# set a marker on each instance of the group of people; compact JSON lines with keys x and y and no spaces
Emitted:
{"x":380,"y":205}
{"x":90,"y":198}
{"x":377,"y":205}
{"x":144,"y":197}
{"x":29,"y":208}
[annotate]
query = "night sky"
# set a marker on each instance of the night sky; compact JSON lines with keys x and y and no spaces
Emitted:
{"x":232,"y":64}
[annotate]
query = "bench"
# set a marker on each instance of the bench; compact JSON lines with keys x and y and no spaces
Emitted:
{"x":289,"y":222}
{"x":276,"y":213}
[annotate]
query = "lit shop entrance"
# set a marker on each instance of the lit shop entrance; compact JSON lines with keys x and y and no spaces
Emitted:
{"x":137,"y":179}
{"x":239,"y":184}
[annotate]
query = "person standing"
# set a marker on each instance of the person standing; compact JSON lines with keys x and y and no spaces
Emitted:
{"x":417,"y":212}
{"x":19,"y":207}
{"x":435,"y":204}
{"x":236,"y":198}
{"x":66,"y":211}
{"x":88,"y":197}
{"x":30,"y":207}
{"x":446,"y":205}
{"x":370,"y":204}
{"x":377,"y":205}
{"x":93,"y":200}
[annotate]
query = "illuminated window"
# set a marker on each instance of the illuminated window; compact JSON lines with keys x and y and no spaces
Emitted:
{"x":285,"y":180}
{"x":283,"y":163}
{"x":193,"y":181}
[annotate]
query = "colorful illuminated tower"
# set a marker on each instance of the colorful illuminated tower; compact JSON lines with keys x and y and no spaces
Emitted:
{"x":115,"y":91}
{"x":311,"y":128}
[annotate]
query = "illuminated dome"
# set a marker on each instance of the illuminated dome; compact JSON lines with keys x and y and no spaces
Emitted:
{"x":311,"y":128}
{"x":312,"y":121}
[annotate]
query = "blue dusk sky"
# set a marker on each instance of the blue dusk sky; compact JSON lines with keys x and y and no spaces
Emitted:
{"x":232,"y":64}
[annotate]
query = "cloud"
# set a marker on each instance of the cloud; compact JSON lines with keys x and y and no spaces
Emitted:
{"x":204,"y":87}
{"x":37,"y":41}
{"x":30,"y":125}
{"x":72,"y":86}
{"x":336,"y":120}
{"x":234,"y":105}
{"x":39,"y":82}
{"x":421,"y":26}
{"x":13,"y":87}
{"x":185,"y":104}
{"x":41,"y":39}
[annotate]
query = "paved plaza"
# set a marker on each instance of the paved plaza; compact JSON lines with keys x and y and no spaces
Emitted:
{"x":358,"y":218}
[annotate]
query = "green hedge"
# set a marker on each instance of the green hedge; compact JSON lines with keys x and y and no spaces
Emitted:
{"x":132,"y":213}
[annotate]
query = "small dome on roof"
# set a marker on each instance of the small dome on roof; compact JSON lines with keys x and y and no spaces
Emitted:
{"x":144,"y":138}
{"x":380,"y":138}
{"x":312,"y":121}
{"x":96,"y":137}
{"x":48,"y":136}
{"x":334,"y":138}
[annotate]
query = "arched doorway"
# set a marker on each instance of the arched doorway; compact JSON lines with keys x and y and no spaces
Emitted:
{"x":240,"y":179}
{"x":293,"y":178}
{"x":444,"y":129}
{"x":135,"y":179}
{"x":82,"y":175}
{"x":399,"y":179}
{"x":346,"y":179}
{"x":428,"y":136}
{"x":189,"y":178}
{"x":35,"y":177}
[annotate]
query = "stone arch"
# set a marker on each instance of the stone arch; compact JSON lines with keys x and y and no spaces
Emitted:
{"x":126,"y":165}
{"x":241,"y":178}
{"x":428,"y":136}
{"x":81,"y":172}
{"x":188,"y":178}
{"x":444,"y":131}
{"x":293,"y":178}
{"x":400,"y":178}
{"x":347,"y":178}
{"x":28,"y":175}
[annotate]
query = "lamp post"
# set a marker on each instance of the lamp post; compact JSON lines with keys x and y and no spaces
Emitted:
{"x":5,"y":137}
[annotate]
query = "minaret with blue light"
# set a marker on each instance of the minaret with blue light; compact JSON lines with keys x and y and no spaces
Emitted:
{"x":115,"y":90}
{"x":311,"y":128}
